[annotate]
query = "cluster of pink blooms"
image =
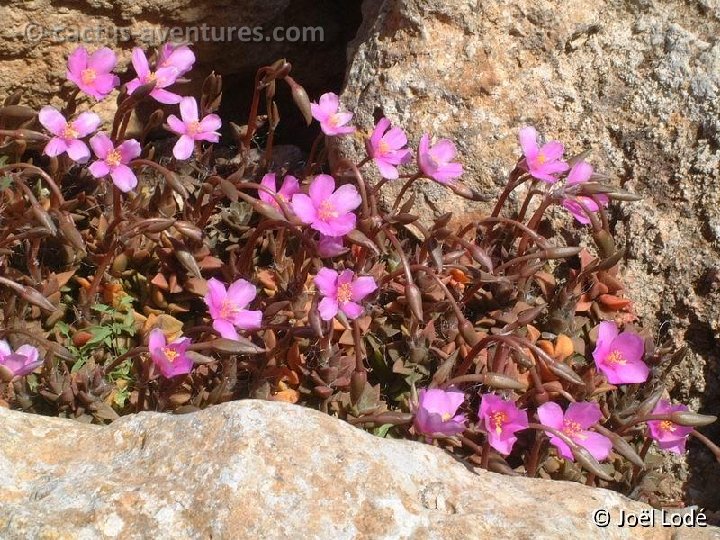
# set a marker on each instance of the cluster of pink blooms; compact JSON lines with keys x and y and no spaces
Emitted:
{"x":436,"y":415}
{"x":387,"y":145}
{"x":545,"y":163}
{"x":93,"y":75}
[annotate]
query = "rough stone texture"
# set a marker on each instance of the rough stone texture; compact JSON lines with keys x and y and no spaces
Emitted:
{"x":254,"y":469}
{"x":638,"y":81}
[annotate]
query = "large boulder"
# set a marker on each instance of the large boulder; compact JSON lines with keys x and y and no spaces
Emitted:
{"x":255,"y":469}
{"x":637,"y":81}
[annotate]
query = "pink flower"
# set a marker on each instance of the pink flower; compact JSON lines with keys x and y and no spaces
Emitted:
{"x":580,"y":173}
{"x":436,"y":161}
{"x":435,"y":412}
{"x":179,"y":57}
{"x":619,"y":357}
{"x":92,"y":73}
{"x":501,"y":419}
{"x":21,"y":362}
{"x":113,"y":161}
{"x":290,"y":187}
{"x":542,"y":163}
{"x":68,"y":134}
{"x":574,"y":424}
{"x":327,"y":210}
{"x":331,"y":121}
{"x":331,"y":246}
{"x":669,"y":435}
{"x":191,"y":129}
{"x":386,"y":147}
{"x":170,"y":358}
{"x":227,"y":307}
{"x":163,"y":77}
{"x":342,"y":292}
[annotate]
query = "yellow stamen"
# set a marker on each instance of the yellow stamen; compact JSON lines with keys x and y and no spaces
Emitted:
{"x":88,"y":76}
{"x":383,"y":147}
{"x":327,"y":210}
{"x":541,"y":158}
{"x":616,"y":357}
{"x":667,"y":425}
{"x":113,"y":158}
{"x":446,"y":416}
{"x":194,"y":128}
{"x":228,"y":309}
{"x":497,"y":420}
{"x":170,"y":354}
{"x":344,"y":293}
{"x":70,"y":132}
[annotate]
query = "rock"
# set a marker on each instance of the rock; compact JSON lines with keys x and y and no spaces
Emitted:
{"x":271,"y":470}
{"x":636,"y":81}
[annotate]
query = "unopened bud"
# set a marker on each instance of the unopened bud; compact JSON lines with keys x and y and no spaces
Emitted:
{"x":414,"y":299}
{"x":691,"y":419}
{"x":589,"y":463}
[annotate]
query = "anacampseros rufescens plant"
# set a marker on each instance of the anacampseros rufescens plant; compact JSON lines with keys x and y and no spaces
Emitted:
{"x":134,"y":280}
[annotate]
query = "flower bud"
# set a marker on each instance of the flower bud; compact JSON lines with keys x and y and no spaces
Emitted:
{"x":240,"y":345}
{"x":358,"y":381}
{"x":691,"y":419}
{"x":414,"y":299}
{"x":503,"y":382}
{"x":589,"y":463}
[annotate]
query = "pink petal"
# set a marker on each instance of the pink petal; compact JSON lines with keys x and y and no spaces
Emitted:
{"x":4,"y":348}
{"x":99,"y":169}
{"x":304,"y":208}
{"x":328,"y":308}
{"x":101,"y":145}
{"x":156,"y":340}
{"x":129,"y":150}
{"x":77,"y":61}
{"x":176,"y":125}
{"x":326,"y":282}
{"x":140,"y":63}
{"x":551,"y":414}
{"x":269,"y":182}
{"x":598,"y":445}
{"x":318,"y":113}
{"x":345,"y":199}
{"x":211,"y":122}
{"x":584,"y":413}
{"x":443,"y":151}
{"x":104,"y":84}
{"x":290,"y":187}
{"x":395,"y":138}
{"x":386,"y":170}
{"x":52,"y":120}
{"x":102,"y":61}
{"x":339,"y":226}
{"x":563,"y":449}
{"x":248,"y":320}
{"x":86,"y":124}
{"x":225,"y":328}
{"x":215,"y":296}
{"x":165,"y":97}
{"x":448,"y":172}
{"x":329,"y":102}
{"x":241,"y":293}
{"x":576,"y":210}
{"x":528,"y":142}
{"x":133,"y":85}
{"x":633,"y":372}
{"x":189,"y":110}
{"x":78,"y":151}
{"x":553,"y":150}
{"x":55,"y":147}
{"x":607,"y":332}
{"x":351,"y":310}
{"x":630,"y":345}
{"x":377,"y":133}
{"x":124,"y":178}
{"x":184,"y":147}
{"x":321,"y":188}
{"x":363,"y":286}
{"x":581,"y":172}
